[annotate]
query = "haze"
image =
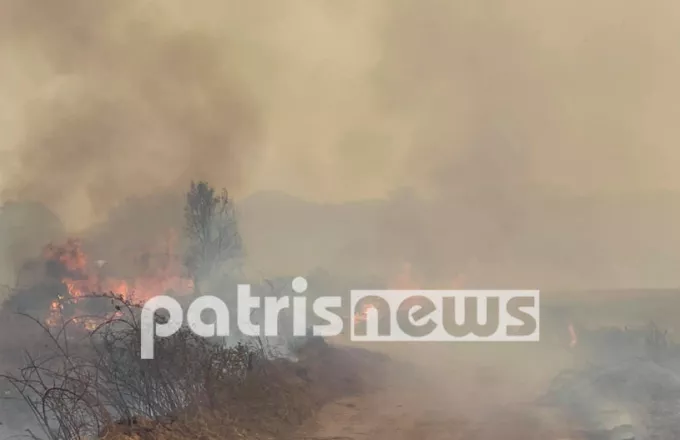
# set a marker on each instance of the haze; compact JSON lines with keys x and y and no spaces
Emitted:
{"x":541,"y":136}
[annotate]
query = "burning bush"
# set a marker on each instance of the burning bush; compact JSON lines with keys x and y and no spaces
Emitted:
{"x":80,"y":386}
{"x":83,"y":375}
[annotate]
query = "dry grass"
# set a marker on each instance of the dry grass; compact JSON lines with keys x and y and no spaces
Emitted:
{"x":82,"y":384}
{"x":270,"y":404}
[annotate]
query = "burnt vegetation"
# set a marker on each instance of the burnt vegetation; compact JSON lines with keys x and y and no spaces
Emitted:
{"x":83,"y":376}
{"x":633,"y":368}
{"x":211,"y":226}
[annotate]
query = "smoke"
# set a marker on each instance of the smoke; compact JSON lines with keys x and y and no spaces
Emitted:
{"x":487,"y":108}
{"x":357,"y":98}
{"x":545,"y":134}
{"x":573,"y":98}
{"x":124,"y":105}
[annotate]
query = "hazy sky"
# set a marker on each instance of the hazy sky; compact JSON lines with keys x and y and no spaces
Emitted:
{"x":335,"y":100}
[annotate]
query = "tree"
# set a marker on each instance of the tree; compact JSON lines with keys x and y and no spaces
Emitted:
{"x":212,"y":230}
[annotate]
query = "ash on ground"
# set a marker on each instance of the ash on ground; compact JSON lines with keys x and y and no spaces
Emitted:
{"x":627,"y":385}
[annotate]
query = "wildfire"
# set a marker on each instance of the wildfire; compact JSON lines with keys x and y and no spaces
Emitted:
{"x":83,"y":279}
{"x":573,"y":337}
{"x":404,"y":280}
{"x":363,"y":315}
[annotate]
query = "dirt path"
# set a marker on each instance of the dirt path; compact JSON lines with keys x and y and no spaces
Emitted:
{"x":435,"y":392}
{"x":387,"y":414}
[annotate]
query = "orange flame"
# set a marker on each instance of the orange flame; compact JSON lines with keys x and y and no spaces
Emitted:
{"x":573,"y":337}
{"x":363,"y":315}
{"x":405,"y":280}
{"x":82,"y":279}
{"x":70,"y":255}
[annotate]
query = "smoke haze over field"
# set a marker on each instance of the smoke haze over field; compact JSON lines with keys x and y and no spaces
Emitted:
{"x":488,"y":108}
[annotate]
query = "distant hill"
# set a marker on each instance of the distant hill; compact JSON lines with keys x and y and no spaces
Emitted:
{"x":562,"y":242}
{"x":286,"y":235}
{"x":570,"y":243}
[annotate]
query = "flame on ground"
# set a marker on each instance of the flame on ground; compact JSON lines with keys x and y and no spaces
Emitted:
{"x":363,"y":315}
{"x":83,"y":279}
{"x":405,"y":280}
{"x":573,"y":341}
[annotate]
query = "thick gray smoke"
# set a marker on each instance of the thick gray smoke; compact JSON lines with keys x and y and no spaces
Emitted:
{"x":542,"y":135}
{"x":125,"y":105}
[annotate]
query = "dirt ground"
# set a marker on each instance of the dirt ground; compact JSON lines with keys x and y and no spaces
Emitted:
{"x":450,"y":391}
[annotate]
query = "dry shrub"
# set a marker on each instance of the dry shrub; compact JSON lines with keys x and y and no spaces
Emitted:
{"x":84,"y":384}
{"x":272,"y":400}
{"x":81,"y":382}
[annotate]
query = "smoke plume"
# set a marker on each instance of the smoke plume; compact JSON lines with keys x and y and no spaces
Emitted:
{"x":487,"y":108}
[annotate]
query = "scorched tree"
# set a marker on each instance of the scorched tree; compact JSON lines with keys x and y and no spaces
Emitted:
{"x":212,"y":229}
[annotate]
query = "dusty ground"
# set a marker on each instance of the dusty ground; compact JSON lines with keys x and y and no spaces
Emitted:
{"x":437,"y":391}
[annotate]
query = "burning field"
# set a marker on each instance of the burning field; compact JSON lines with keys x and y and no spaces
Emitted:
{"x":74,"y":370}
{"x":84,"y":278}
{"x":383,"y":144}
{"x":72,"y":364}
{"x":66,"y":279}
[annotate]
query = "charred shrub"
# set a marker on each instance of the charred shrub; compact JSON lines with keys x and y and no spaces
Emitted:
{"x":84,"y":381}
